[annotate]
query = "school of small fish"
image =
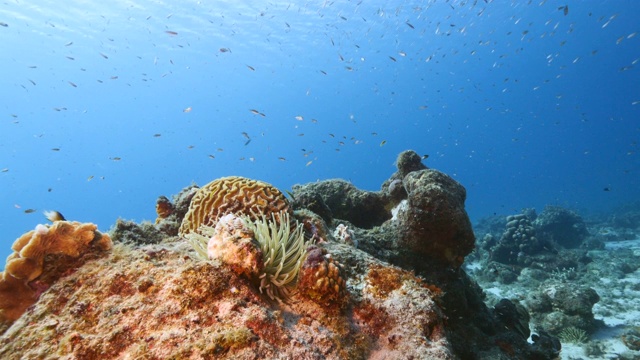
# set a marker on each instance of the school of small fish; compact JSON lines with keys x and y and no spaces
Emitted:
{"x":379,"y":49}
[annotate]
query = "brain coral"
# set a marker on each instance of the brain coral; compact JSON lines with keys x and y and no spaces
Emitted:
{"x":233,"y":194}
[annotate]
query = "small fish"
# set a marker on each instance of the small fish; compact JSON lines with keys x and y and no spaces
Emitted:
{"x":315,"y":121}
{"x":251,"y":68}
{"x":309,"y":162}
{"x":30,"y":211}
{"x":72,"y":84}
{"x":70,"y":58}
{"x":69,"y":43}
{"x":606,"y":189}
{"x":392,"y":58}
{"x":409,"y":25}
{"x":245,"y":135}
{"x":247,"y":142}
{"x":33,"y":82}
{"x":172,"y":33}
{"x":282,"y":158}
{"x":323,"y":72}
{"x":402,"y":53}
{"x":424,"y":157}
{"x":4,"y":170}
{"x":224,"y":50}
{"x":116,"y":158}
{"x":114,"y":78}
{"x":53,"y":215}
{"x":190,"y":147}
{"x":331,"y":135}
{"x":423,"y":107}
{"x":187,"y":110}
{"x":55,"y":149}
{"x":211,"y":156}
{"x":104,"y":56}
{"x":254,"y":111}
{"x":299,"y":118}
{"x":383,"y":142}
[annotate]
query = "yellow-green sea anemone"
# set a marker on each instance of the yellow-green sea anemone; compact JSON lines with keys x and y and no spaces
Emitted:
{"x":283,"y":251}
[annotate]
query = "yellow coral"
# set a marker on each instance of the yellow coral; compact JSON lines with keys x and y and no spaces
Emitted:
{"x":31,"y":257}
{"x":235,"y":195}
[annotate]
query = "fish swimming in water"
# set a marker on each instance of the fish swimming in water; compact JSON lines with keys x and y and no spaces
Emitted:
{"x":53,"y":215}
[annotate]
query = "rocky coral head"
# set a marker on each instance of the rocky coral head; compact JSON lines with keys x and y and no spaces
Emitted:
{"x":434,"y":223}
{"x":409,"y":161}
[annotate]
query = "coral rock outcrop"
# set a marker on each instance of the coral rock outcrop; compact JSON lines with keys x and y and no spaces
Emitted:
{"x":434,"y":222}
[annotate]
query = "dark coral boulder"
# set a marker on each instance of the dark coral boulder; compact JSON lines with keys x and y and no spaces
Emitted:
{"x":561,"y":226}
{"x":434,"y":222}
{"x":340,"y":199}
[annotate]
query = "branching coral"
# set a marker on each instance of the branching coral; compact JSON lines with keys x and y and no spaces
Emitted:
{"x":284,"y":251}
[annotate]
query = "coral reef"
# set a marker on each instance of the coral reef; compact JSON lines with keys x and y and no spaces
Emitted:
{"x":562,"y":226}
{"x":231,"y":194}
{"x":399,"y":292}
{"x":40,"y":257}
{"x":518,"y":242}
{"x":339,"y":199}
{"x":321,"y":279}
{"x":131,"y":232}
{"x":560,"y":306}
{"x":164,"y":208}
{"x":435,"y":224}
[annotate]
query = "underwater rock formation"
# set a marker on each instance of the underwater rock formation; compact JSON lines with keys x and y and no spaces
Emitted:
{"x":339,"y":199}
{"x":384,"y":287}
{"x":562,"y":226}
{"x":434,"y":223}
{"x":564,"y":305}
{"x":519,"y":243}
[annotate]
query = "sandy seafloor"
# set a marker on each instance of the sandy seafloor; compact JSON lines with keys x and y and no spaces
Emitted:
{"x":619,"y":305}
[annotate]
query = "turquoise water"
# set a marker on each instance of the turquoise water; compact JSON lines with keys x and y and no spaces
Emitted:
{"x":105,"y":107}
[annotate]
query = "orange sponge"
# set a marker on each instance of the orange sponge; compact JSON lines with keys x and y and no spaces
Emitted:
{"x":33,"y":251}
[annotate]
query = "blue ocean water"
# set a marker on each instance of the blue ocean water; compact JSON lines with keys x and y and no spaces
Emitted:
{"x":107,"y":105}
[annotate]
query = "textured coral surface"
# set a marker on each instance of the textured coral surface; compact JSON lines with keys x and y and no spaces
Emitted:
{"x":40,"y":257}
{"x":231,"y":194}
{"x":157,"y":302}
